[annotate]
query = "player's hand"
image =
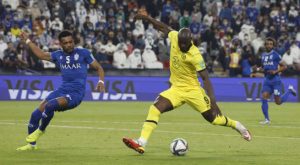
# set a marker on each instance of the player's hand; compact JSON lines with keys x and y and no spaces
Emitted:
{"x":142,"y":13}
{"x":256,"y":69}
{"x":272,"y":72}
{"x":100,"y":86}
{"x":253,"y":75}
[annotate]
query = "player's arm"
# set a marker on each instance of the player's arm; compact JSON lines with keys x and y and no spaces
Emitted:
{"x":35,"y":49}
{"x":257,"y":69}
{"x":100,"y":72}
{"x":142,"y":14}
{"x":281,"y":67}
{"x":207,"y":85}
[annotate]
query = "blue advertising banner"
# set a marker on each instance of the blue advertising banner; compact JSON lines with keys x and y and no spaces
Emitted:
{"x":132,"y":88}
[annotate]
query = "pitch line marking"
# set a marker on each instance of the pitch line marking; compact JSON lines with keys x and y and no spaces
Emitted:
{"x":161,"y":123}
{"x":159,"y":131}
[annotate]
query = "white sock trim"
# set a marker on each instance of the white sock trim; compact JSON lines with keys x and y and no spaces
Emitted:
{"x":142,"y":141}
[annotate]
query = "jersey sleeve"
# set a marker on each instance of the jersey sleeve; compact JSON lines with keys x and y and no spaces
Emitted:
{"x":172,"y":34}
{"x":89,"y":58}
{"x":198,"y":62}
{"x":278,"y":57}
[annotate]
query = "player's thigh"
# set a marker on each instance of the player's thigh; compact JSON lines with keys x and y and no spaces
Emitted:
{"x":267,"y":90}
{"x":174,"y":96}
{"x":73,"y":100}
{"x":198,"y":100}
{"x":277,"y":88}
{"x":53,"y":95}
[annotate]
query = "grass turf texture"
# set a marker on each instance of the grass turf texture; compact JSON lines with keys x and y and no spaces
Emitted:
{"x":92,"y":133}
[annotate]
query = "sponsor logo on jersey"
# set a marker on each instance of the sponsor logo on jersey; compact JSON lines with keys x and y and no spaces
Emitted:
{"x":268,"y":63}
{"x":76,"y":57}
{"x":70,"y":66}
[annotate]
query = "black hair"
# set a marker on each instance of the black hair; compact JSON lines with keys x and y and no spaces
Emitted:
{"x":65,"y":33}
{"x":271,"y":39}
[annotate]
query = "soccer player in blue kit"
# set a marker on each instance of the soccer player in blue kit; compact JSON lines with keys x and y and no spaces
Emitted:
{"x":271,"y":67}
{"x":73,"y":63}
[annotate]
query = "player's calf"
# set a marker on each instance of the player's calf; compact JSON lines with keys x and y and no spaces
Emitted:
{"x":225,"y":121}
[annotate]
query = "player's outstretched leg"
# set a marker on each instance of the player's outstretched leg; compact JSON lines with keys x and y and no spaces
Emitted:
{"x":47,"y":115}
{"x":149,"y":125}
{"x":236,"y":125}
{"x":215,"y":117}
{"x":32,"y":126}
{"x":34,"y":122}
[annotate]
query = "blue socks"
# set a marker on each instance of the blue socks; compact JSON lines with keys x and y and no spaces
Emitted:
{"x":48,"y":114}
{"x":34,"y":122}
{"x":265,"y":108}
{"x":285,"y":96}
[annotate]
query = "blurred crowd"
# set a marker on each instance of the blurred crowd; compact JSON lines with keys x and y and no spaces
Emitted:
{"x":229,"y":33}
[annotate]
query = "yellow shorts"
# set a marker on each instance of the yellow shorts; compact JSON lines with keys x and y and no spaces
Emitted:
{"x":195,"y":97}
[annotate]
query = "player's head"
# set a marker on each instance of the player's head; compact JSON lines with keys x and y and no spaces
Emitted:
{"x":66,"y":41}
{"x":270,"y":43}
{"x":184,"y":39}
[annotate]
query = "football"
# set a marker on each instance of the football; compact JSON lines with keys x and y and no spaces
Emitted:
{"x":179,"y":147}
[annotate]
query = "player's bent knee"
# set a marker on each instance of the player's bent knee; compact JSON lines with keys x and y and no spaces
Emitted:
{"x":52,"y":105}
{"x":278,"y":102}
{"x":41,"y":107}
{"x":209,"y":116}
{"x":163,"y":104}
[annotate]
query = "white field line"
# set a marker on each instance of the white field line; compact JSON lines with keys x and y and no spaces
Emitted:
{"x":159,"y":131}
{"x":162,"y":123}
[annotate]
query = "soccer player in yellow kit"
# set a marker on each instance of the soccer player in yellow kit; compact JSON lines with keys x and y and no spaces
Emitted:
{"x":185,"y":62}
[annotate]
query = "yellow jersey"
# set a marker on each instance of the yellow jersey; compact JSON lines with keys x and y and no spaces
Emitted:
{"x":184,"y":66}
{"x":234,"y":60}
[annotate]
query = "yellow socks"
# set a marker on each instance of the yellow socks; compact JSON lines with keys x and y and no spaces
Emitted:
{"x":224,"y":121}
{"x":150,"y":124}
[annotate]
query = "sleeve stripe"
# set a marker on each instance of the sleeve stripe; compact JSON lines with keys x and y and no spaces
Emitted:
{"x":91,"y":55}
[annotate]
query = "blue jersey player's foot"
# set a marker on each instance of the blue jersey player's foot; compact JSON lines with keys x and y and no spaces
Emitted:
{"x":27,"y":147}
{"x":133,"y":144}
{"x":292,"y":90}
{"x":265,"y":122}
{"x":34,"y":136}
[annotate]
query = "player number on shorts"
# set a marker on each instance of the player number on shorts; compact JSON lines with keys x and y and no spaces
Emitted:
{"x":206,"y":100}
{"x":276,"y":92}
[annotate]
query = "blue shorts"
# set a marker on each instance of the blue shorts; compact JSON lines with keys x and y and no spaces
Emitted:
{"x":74,"y":99}
{"x":272,"y":87}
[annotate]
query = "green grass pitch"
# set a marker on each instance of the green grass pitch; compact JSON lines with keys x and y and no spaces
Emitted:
{"x":91,"y":135}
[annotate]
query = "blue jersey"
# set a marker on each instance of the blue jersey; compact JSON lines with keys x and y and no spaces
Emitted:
{"x":272,"y":83}
{"x":270,"y":61}
{"x":73,"y":67}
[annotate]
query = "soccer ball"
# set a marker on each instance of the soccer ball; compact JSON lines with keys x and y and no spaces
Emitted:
{"x":179,"y":147}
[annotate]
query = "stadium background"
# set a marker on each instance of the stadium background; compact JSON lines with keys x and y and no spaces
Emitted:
{"x":230,"y":36}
